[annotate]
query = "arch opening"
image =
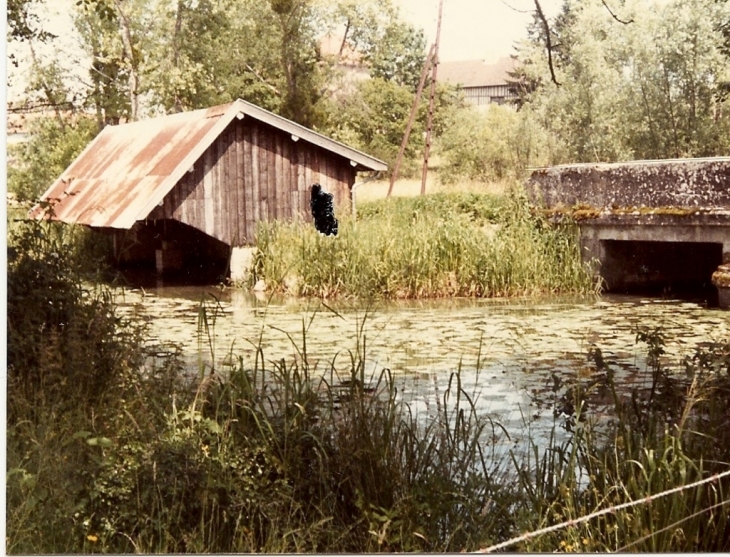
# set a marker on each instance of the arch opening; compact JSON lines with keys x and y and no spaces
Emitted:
{"x":682,"y":269}
{"x":171,"y":251}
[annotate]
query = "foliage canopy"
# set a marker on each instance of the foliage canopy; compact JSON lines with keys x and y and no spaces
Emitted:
{"x":651,"y":88}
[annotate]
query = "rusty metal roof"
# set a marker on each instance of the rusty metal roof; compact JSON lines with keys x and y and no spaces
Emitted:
{"x":128,"y":169}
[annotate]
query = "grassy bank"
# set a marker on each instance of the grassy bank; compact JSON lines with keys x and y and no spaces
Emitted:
{"x":461,"y":244}
{"x":109,"y":450}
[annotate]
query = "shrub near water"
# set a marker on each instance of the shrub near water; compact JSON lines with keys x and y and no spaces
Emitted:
{"x":73,"y":368}
{"x":441,"y":245}
{"x":664,"y":435}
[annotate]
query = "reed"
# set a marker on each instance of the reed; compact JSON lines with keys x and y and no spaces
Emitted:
{"x":278,"y":456}
{"x":657,"y":443}
{"x":434,"y":246}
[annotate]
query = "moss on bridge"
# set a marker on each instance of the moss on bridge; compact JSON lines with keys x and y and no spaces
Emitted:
{"x":669,"y":186}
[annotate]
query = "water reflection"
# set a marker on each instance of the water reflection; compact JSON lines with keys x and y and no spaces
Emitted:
{"x":507,"y":350}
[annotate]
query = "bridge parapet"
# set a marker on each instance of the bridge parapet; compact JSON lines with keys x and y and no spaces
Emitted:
{"x":689,"y":183}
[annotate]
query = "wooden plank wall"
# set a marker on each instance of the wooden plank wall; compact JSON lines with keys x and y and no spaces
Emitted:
{"x":255,"y":172}
{"x":484,"y":95}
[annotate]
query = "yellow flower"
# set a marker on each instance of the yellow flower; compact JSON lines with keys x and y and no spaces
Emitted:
{"x":585,"y":541}
{"x":92,"y":538}
{"x":563,"y":544}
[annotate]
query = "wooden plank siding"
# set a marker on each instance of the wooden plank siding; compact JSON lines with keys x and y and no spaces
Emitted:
{"x":254,"y":172}
{"x":485,"y":95}
{"x":242,"y":222}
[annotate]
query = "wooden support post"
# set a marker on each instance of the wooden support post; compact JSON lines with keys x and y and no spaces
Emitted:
{"x":168,"y":259}
{"x":412,"y":117}
{"x":427,"y":148}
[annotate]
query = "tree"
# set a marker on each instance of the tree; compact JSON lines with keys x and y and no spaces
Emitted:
{"x":648,"y":89}
{"x":23,"y":22}
{"x":494,"y":144}
{"x":192,"y":41}
{"x":131,"y":53}
{"x":361,"y":21}
{"x":675,"y":69}
{"x":35,"y":164}
{"x":374,"y":119}
{"x":108,"y":88}
{"x":392,"y":48}
{"x":399,"y":55}
{"x":208,"y":52}
{"x":161,"y":56}
{"x":47,"y":88}
{"x":24,"y":26}
{"x":299,"y":57}
{"x":375,"y":116}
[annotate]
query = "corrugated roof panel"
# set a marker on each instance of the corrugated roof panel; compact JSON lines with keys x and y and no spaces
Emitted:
{"x":188,"y":150}
{"x":178,"y":146}
{"x":113,"y":179}
{"x":91,"y":167}
{"x":126,"y":214}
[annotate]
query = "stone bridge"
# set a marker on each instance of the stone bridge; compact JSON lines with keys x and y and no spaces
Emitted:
{"x":651,"y":225}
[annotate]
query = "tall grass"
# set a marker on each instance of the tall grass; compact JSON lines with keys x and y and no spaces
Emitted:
{"x":666,"y":435}
{"x":73,"y":369}
{"x":276,"y":457}
{"x":441,"y":245}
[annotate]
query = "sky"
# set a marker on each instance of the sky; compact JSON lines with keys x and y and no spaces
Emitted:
{"x":475,"y":29}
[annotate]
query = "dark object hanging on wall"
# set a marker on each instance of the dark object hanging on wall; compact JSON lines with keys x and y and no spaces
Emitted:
{"x":322,"y":211}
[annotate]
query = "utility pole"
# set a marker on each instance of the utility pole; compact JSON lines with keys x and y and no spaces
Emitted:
{"x":412,"y":117}
{"x":427,"y":148}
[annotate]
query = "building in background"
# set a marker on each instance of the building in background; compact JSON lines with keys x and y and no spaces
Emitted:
{"x":482,"y":83}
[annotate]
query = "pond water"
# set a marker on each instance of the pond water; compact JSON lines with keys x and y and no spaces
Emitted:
{"x":507,"y":350}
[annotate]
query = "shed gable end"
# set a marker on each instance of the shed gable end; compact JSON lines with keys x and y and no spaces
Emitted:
{"x":254,"y":172}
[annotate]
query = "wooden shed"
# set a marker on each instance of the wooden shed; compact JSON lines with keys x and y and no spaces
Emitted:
{"x":190,"y":186}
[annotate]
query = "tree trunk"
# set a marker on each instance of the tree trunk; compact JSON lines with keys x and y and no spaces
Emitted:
{"x":47,"y":91}
{"x":126,"y":35}
{"x":176,"y":47}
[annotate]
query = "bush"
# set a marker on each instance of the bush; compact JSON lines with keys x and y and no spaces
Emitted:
{"x":375,"y":116}
{"x":74,"y":367}
{"x":666,"y":434}
{"x":496,"y":144}
{"x":479,"y":209}
{"x":64,"y":341}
